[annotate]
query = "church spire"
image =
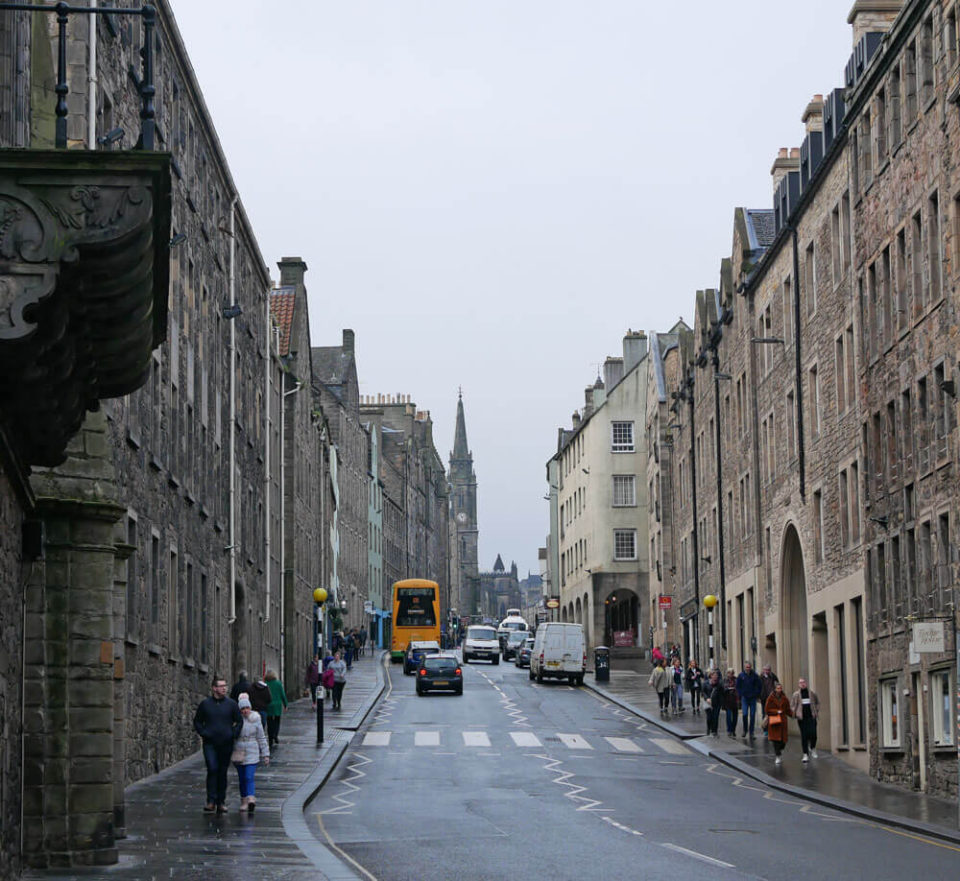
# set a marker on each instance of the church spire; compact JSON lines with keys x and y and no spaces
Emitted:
{"x":460,"y":448}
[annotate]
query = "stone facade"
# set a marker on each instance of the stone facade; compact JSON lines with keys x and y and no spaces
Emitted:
{"x":824,"y":365}
{"x":601,"y":527}
{"x":464,"y":551}
{"x":336,"y":392}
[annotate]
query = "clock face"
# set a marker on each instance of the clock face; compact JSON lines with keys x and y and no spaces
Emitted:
{"x":461,"y":517}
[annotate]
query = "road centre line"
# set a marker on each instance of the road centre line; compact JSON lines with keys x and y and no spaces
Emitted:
{"x":697,"y":856}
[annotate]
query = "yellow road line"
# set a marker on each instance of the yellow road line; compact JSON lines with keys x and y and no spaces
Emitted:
{"x":342,"y":853}
{"x":921,"y":838}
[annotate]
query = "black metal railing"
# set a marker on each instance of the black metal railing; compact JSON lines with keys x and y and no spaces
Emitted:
{"x":63,"y":11}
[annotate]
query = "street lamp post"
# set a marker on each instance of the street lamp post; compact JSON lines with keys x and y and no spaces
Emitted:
{"x":319,"y":598}
{"x":709,"y":601}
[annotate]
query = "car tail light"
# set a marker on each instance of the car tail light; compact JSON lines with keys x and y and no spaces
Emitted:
{"x":423,"y":671}
{"x":457,"y":672}
{"x":584,"y":659}
{"x":541,"y":658}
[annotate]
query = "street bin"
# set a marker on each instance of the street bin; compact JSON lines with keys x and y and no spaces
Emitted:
{"x":601,"y":663}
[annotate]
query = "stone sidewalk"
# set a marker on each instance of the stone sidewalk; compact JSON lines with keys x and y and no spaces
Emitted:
{"x":827,"y":780}
{"x":168,"y":835}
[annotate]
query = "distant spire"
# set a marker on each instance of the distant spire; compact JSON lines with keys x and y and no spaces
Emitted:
{"x":460,"y":448}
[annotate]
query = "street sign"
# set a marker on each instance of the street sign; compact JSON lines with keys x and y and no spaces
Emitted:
{"x":666,"y":603}
{"x":553,"y":603}
{"x":928,"y":637}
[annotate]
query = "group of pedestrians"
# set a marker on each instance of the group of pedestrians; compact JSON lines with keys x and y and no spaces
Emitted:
{"x":239,"y":728}
{"x":351,"y":644}
{"x":737,"y":696}
{"x":672,"y":681}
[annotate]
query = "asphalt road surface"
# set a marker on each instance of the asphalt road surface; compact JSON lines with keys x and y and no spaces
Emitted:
{"x":516,"y":779}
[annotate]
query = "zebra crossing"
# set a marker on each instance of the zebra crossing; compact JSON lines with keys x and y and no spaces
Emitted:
{"x":480,"y":739}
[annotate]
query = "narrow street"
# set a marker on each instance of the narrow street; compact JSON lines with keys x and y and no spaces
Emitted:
{"x":555,"y":779}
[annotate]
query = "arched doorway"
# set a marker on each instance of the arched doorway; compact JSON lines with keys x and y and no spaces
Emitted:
{"x":239,"y":639}
{"x":621,"y":616}
{"x":587,"y":622}
{"x":578,"y":613}
{"x":794,"y":626}
{"x":563,"y":615}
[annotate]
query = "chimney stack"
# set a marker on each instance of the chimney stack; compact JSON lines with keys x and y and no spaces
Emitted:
{"x":786,"y":161}
{"x":813,"y":116}
{"x":872,"y":16}
{"x":634,"y":349}
{"x":348,"y":341}
{"x":576,"y":420}
{"x":292,"y":270}
{"x":612,"y":372}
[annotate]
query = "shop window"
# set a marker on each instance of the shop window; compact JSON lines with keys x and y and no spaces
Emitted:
{"x":890,"y":713}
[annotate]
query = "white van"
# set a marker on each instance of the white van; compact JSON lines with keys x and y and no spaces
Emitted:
{"x":481,"y":642}
{"x":511,"y":624}
{"x":559,"y":650}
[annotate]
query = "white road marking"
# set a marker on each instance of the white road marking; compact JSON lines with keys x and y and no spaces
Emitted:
{"x":670,"y":746}
{"x":574,"y":741}
{"x":475,"y":738}
{"x":698,"y":856}
{"x":620,"y":826}
{"x":624,"y":744}
{"x":427,"y":738}
{"x":377,"y":738}
{"x":525,"y":738}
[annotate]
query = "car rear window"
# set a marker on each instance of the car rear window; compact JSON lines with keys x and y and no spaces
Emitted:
{"x":440,"y":664}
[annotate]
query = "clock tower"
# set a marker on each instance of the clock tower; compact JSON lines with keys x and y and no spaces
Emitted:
{"x":465,"y":590}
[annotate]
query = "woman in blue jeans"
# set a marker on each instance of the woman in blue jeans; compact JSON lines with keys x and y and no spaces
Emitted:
{"x":249,"y":750}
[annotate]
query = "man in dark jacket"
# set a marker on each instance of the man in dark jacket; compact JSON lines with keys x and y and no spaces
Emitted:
{"x":242,"y":686}
{"x":749,"y":687}
{"x":218,"y":722}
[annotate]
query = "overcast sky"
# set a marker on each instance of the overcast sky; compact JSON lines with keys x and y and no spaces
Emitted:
{"x":492,"y":192}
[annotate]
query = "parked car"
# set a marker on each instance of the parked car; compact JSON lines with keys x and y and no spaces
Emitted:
{"x":440,"y":671}
{"x":559,"y":651}
{"x":513,"y":640}
{"x":522,"y":656}
{"x":415,"y":653}
{"x":481,"y":643}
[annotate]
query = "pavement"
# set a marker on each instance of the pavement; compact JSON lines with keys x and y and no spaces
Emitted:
{"x":168,"y":836}
{"x":826,"y":780}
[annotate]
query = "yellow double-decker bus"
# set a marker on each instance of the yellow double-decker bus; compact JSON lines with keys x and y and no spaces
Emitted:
{"x":416,"y":614}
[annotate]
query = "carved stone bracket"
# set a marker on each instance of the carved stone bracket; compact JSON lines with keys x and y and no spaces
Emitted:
{"x":84,"y":271}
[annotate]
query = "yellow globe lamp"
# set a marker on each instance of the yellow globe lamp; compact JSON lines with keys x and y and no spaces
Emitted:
{"x":709,"y":601}
{"x":319,"y":595}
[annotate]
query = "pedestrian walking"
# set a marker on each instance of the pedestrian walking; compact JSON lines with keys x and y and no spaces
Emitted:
{"x":278,"y":703}
{"x":241,"y":686}
{"x":748,"y":689}
{"x":218,"y":722}
{"x":713,"y":693}
{"x":693,"y":679}
{"x":777,"y":709}
{"x":768,"y":679}
{"x":660,"y":680}
{"x":249,"y":750}
{"x":676,"y":686}
{"x":327,"y":679}
{"x":339,"y":668}
{"x":348,"y":649}
{"x":656,"y":656}
{"x":731,"y":701}
{"x":805,"y":708}
{"x":313,"y":679}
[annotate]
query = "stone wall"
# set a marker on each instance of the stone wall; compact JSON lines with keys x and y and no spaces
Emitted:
{"x":12,"y":574}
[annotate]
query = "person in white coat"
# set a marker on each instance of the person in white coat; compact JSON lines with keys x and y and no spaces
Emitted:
{"x":249,"y":750}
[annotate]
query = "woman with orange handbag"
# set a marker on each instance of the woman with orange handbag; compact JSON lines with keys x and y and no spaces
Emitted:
{"x":777,"y":709}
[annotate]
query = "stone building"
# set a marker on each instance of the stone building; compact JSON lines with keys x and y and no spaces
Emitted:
{"x":416,"y":507}
{"x":499,"y":590}
{"x":336,"y":391}
{"x":463,"y":509}
{"x":823,"y":368}
{"x":305,"y":472}
{"x":601,"y":506}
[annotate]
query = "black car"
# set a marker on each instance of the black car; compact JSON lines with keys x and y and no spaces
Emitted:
{"x":522,"y":656}
{"x":415,"y":653}
{"x":511,"y":642}
{"x":440,"y":671}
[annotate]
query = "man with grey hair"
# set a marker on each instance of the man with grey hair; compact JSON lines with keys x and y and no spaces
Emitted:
{"x":768,"y":681}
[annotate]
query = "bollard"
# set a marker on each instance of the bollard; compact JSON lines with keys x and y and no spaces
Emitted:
{"x":601,"y":664}
{"x":320,"y":699}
